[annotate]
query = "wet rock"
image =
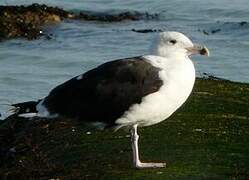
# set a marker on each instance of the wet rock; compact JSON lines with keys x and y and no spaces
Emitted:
{"x":224,"y":27}
{"x":210,"y":32}
{"x":242,"y":23}
{"x":27,"y":21}
{"x":116,"y":17}
{"x":215,"y":31}
{"x":146,"y":30}
{"x":205,"y":32}
{"x":212,"y":77}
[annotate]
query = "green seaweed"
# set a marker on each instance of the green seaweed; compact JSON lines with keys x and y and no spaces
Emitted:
{"x":207,"y":138}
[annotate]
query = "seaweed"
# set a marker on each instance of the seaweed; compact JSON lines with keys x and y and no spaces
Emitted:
{"x":207,"y":138}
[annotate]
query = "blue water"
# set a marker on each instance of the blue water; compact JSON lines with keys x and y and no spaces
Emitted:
{"x":29,"y":69}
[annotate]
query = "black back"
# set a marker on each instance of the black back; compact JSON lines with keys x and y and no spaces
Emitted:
{"x":106,"y":92}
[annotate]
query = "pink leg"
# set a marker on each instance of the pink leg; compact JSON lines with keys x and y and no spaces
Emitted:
{"x":136,"y":161}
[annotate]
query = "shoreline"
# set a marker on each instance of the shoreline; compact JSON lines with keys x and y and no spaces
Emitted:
{"x":28,"y":21}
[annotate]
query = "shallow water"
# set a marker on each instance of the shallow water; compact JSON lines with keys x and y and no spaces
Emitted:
{"x":29,"y":69}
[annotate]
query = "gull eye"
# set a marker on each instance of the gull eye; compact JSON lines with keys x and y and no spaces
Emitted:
{"x":172,"y":41}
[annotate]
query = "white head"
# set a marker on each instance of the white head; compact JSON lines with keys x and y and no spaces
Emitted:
{"x":173,"y":43}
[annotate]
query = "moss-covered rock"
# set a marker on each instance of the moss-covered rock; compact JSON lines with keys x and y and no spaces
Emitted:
{"x":207,"y":138}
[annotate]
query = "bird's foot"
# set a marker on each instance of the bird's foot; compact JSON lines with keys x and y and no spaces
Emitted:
{"x":141,"y":165}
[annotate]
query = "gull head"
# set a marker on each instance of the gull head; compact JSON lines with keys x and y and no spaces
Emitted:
{"x":171,"y":43}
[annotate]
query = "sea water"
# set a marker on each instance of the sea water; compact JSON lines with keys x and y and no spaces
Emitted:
{"x":30,"y":69}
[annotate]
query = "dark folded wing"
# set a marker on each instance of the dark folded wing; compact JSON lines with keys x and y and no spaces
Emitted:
{"x":103,"y":94}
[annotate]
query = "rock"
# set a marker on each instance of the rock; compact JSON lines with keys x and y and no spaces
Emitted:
{"x":115,"y":17}
{"x":242,"y":23}
{"x":212,"y":77}
{"x":146,"y":30}
{"x":209,"y":132}
{"x":27,"y":21}
{"x":209,"y":32}
{"x":215,"y":31}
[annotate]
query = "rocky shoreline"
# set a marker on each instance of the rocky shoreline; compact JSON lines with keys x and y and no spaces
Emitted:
{"x":28,"y":21}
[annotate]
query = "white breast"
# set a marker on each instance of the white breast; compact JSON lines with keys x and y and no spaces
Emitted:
{"x":178,"y":78}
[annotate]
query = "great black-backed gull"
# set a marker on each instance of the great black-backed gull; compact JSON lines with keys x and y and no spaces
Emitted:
{"x":131,"y":92}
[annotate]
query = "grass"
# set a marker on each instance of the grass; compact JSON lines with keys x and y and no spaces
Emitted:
{"x":207,"y":138}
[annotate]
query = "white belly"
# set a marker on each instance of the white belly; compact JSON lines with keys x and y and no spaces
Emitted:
{"x":178,"y":82}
